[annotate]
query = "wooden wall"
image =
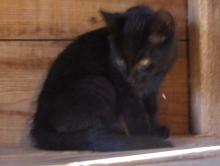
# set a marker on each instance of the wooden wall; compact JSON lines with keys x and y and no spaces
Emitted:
{"x":32,"y":33}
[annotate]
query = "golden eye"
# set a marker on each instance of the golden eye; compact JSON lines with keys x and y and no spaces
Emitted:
{"x":143,"y":63}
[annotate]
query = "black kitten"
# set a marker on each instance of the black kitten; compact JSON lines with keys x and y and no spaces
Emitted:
{"x":101,"y":92}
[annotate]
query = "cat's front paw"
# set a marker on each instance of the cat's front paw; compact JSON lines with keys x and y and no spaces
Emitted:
{"x":163,"y":132}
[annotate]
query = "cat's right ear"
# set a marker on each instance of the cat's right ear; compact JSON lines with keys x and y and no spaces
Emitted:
{"x":114,"y":21}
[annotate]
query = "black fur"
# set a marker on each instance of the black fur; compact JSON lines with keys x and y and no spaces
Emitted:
{"x":96,"y":97}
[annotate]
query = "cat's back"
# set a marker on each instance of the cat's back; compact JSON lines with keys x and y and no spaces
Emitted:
{"x":96,"y":40}
{"x":87,"y":54}
{"x":85,"y":57}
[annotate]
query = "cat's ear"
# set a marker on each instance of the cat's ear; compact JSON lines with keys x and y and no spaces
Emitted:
{"x":162,"y":27}
{"x":165,"y":17}
{"x":114,"y":21}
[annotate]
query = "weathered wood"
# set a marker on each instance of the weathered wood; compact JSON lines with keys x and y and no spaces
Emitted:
{"x":174,"y":101}
{"x":25,"y":155}
{"x":23,"y":66}
{"x":204,"y":16}
{"x":14,"y":127}
{"x":59,"y":19}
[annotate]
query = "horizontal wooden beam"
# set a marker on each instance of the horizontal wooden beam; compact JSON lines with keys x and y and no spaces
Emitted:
{"x":65,"y":19}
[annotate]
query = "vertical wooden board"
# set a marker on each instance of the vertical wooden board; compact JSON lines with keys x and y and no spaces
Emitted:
{"x":204,"y":47}
{"x":59,"y":19}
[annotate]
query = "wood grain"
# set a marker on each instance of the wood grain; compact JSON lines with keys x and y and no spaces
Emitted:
{"x":174,"y":100}
{"x":24,"y":64}
{"x":62,"y":19}
{"x":204,"y":47}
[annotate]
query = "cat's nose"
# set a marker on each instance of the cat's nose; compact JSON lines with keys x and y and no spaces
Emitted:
{"x":140,"y":75}
{"x":136,"y":77}
{"x":131,"y":80}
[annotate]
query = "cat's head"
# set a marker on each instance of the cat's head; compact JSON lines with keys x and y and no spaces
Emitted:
{"x":143,"y":38}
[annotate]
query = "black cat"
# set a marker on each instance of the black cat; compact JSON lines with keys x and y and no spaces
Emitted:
{"x":101,"y":92}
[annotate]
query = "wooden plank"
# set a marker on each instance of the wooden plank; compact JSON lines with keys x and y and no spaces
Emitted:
{"x":23,"y":66}
{"x":205,"y":65}
{"x":59,"y":19}
{"x":25,"y":155}
{"x":174,"y":99}
{"x":14,"y":127}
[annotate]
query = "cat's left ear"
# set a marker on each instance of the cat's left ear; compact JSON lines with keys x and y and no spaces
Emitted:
{"x":162,"y":27}
{"x":166,"y":18}
{"x":114,"y":21}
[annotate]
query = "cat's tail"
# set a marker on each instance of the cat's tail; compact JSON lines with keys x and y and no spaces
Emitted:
{"x":95,"y":141}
